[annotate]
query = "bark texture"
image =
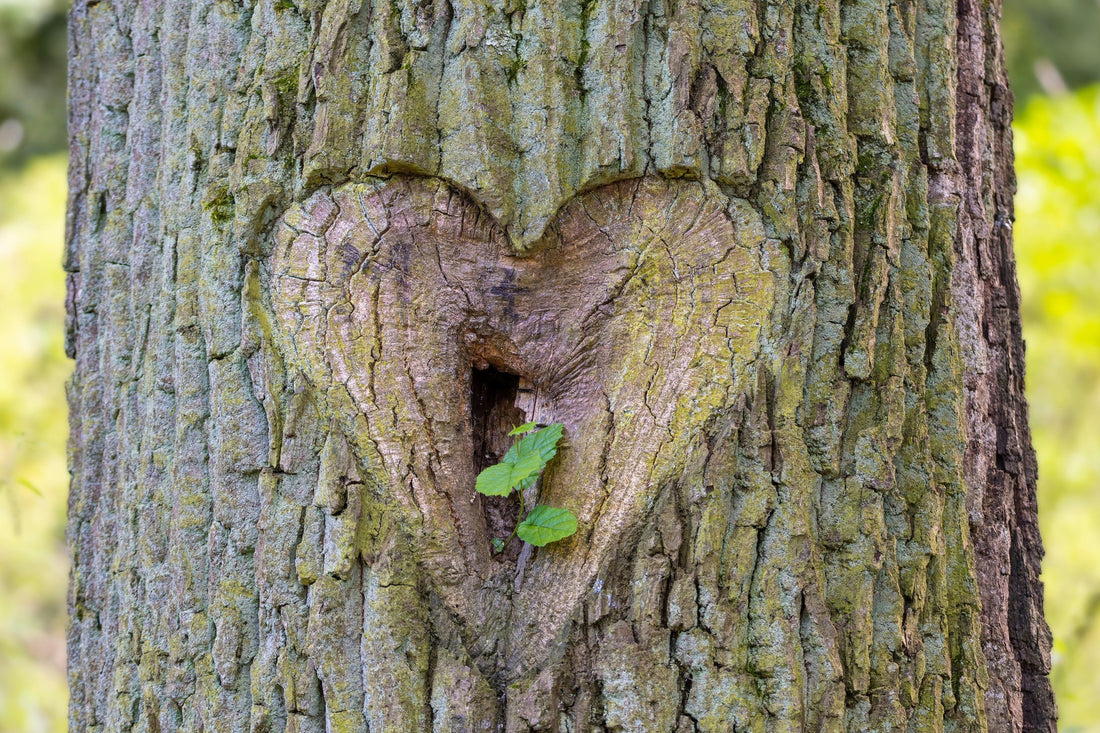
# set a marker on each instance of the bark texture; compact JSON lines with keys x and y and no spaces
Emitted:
{"x":756,"y":256}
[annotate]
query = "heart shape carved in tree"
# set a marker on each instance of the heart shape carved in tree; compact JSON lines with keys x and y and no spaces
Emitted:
{"x":635,"y":321}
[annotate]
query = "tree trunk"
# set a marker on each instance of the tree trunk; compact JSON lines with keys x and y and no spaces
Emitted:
{"x":755,"y":256}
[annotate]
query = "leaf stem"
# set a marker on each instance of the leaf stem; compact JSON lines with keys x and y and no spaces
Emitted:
{"x":522,"y":511}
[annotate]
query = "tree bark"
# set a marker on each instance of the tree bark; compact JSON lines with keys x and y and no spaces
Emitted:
{"x":755,"y":256}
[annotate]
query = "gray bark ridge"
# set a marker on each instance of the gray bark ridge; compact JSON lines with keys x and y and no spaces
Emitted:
{"x":754,"y":255}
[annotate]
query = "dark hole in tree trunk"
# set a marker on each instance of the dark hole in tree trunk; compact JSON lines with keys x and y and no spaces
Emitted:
{"x":493,"y":409}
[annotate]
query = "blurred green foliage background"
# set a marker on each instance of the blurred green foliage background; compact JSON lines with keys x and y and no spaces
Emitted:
{"x":33,"y":479}
{"x":1053,"y":52}
{"x":1058,"y":251}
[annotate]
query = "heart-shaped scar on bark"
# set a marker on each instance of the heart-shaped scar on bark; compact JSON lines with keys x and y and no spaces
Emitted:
{"x":424,"y":337}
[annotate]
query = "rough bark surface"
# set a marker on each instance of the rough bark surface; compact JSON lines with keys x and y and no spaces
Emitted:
{"x":755,"y":256}
{"x":1000,"y":463}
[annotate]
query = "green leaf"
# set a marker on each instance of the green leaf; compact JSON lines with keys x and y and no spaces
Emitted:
{"x":526,"y":468}
{"x":544,"y":442}
{"x":499,"y":480}
{"x":546,"y":524}
{"x":498,"y":544}
{"x":495,"y":480}
{"x":524,"y":428}
{"x":523,"y":462}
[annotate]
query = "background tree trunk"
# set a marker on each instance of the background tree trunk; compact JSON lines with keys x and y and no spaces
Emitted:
{"x":755,"y":256}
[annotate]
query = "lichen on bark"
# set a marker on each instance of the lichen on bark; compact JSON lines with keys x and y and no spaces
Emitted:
{"x":321,"y":252}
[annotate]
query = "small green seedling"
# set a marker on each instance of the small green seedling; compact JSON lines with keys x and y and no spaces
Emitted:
{"x":520,"y":469}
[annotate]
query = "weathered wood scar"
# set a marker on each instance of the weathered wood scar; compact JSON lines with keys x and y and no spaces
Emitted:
{"x":399,"y":300}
